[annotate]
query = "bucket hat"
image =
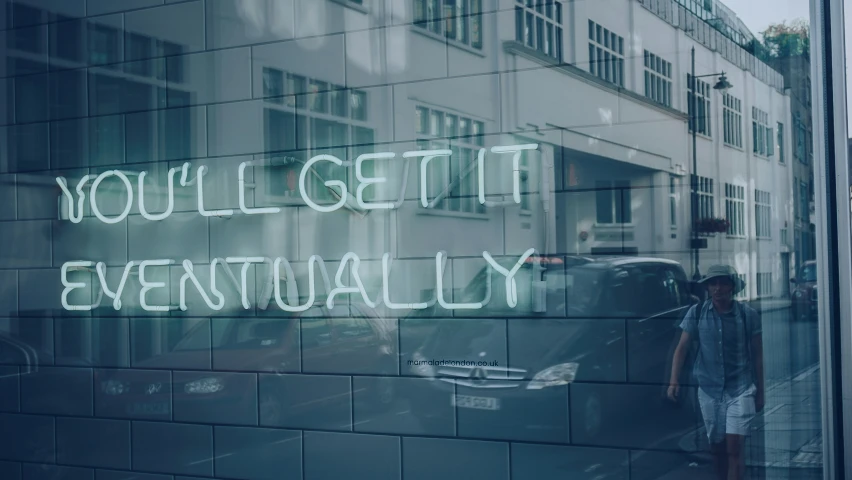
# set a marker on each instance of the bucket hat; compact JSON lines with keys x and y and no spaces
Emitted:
{"x":717,"y":271}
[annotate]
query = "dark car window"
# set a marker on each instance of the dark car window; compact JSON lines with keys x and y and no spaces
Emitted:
{"x":584,"y":288}
{"x":623,"y":292}
{"x":669,"y":289}
{"x":808,"y":273}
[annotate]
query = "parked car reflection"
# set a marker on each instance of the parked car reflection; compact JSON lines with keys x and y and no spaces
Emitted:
{"x":805,"y":292}
{"x":160,"y":386}
{"x":595,"y":374}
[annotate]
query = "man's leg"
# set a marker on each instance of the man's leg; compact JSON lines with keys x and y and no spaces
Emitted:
{"x":736,"y":465}
{"x":720,"y":459}
{"x":714,"y":423}
{"x":740,"y":413}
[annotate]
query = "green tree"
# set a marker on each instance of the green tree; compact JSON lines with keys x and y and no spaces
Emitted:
{"x":787,"y":40}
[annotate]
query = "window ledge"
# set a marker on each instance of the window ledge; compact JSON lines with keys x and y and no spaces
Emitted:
{"x":763,"y":239}
{"x":443,"y":39}
{"x":733,"y":147}
{"x":736,"y":237}
{"x":353,"y":6}
{"x":614,"y":226}
{"x":702,"y":135}
{"x":451,"y":214}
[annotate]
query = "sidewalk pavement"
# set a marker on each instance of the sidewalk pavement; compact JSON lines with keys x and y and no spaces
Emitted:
{"x":786,"y":435}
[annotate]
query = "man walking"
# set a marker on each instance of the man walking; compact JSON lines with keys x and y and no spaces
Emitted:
{"x":728,"y":367}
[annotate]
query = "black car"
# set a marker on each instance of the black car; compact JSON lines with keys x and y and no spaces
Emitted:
{"x":805,"y":293}
{"x":584,"y":358}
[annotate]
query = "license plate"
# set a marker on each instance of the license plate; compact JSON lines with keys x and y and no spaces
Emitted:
{"x":153,"y":408}
{"x":481,"y":403}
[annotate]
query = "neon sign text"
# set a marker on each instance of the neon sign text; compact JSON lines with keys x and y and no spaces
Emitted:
{"x":75,"y":206}
{"x":273,"y":287}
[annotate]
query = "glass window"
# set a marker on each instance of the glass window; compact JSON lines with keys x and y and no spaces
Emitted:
{"x":458,"y":20}
{"x":542,"y":29}
{"x":283,"y":283}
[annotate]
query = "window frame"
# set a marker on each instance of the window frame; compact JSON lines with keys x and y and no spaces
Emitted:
{"x":763,"y":283}
{"x":658,"y":79}
{"x":732,"y":121}
{"x":307,"y":109}
{"x":673,"y":198}
{"x":762,"y":214}
{"x":612,"y":186}
{"x":547,"y":15}
{"x":464,"y":18}
{"x":703,"y":96}
{"x":463,"y":199}
{"x":735,"y":211}
{"x":601,"y":42}
{"x":763,"y":136}
{"x":705,"y":189}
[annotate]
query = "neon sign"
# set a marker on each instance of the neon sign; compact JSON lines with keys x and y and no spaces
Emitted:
{"x":215,"y":299}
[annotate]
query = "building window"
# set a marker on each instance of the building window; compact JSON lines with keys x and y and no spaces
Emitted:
{"x":762,"y":214}
{"x":673,"y":201}
{"x":764,"y":284}
{"x":701,"y":103}
{"x":524,"y":169}
{"x":804,"y":199}
{"x":702,"y":9}
{"x":801,"y":142}
{"x":538,"y":25}
{"x":452,"y":178}
{"x":606,"y":54}
{"x":458,"y":20}
{"x":735,"y":209}
{"x":763,"y":141}
{"x":273,"y":85}
{"x":781,"y":158}
{"x":613,"y":202}
{"x":314,"y":117}
{"x":733,"y":120}
{"x":704,"y":187}
{"x":658,"y":79}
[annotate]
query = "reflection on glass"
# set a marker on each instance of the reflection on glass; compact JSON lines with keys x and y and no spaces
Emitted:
{"x":536,"y":301}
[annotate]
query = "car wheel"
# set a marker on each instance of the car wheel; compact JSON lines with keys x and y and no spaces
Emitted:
{"x":592,"y":416}
{"x":269,"y":410}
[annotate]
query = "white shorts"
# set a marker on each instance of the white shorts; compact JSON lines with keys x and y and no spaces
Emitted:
{"x":731,"y":415}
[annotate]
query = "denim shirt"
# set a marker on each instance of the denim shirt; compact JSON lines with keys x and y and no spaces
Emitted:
{"x":704,"y":324}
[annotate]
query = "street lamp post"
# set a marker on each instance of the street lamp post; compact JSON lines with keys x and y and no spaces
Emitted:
{"x":722,"y":85}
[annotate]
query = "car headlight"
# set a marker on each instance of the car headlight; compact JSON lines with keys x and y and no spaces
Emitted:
{"x":115,"y":387}
{"x":204,"y":385}
{"x":420,"y":367}
{"x":561,"y":374}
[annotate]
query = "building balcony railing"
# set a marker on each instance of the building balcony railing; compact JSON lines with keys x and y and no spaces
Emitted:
{"x":717,"y":36}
